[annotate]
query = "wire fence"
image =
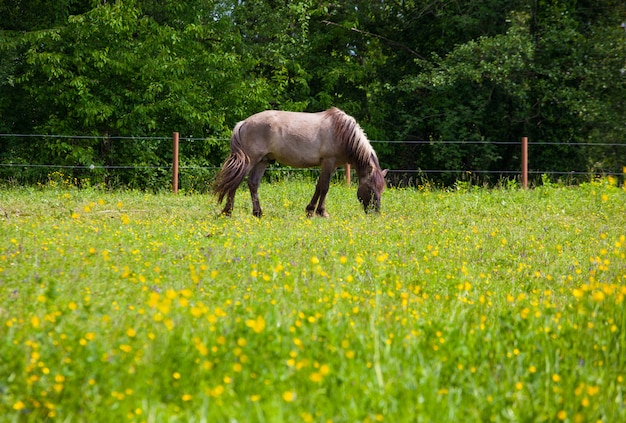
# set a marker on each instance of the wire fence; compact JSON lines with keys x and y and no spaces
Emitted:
{"x":396,"y":173}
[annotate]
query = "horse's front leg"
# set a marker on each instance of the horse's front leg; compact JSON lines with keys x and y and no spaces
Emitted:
{"x":318,"y":202}
{"x":254,"y":180}
{"x":310,"y":209}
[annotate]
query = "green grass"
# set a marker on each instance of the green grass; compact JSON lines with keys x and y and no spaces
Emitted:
{"x":474,"y":305}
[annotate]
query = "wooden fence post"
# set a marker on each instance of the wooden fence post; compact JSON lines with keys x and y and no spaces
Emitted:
{"x":525,"y":162}
{"x":175,"y":162}
{"x":347,"y":167}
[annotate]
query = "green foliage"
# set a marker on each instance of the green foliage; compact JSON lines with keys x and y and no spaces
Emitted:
{"x":274,"y":37}
{"x":533,"y":80}
{"x":475,"y":70}
{"x":115,"y":71}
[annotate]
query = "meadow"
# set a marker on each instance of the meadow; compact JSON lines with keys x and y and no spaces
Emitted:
{"x":469,"y":305}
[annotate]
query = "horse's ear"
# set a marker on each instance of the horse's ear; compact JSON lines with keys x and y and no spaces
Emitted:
{"x":384,"y":172}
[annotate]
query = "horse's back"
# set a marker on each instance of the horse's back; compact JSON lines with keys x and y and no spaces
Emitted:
{"x":296,"y":139}
{"x":295,"y":124}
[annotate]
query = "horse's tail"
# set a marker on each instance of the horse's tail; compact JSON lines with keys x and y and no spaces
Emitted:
{"x":234,"y":168}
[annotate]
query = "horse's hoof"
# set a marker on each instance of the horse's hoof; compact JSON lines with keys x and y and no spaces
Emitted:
{"x":323,"y":214}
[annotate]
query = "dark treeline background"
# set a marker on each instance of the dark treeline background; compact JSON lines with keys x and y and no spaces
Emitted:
{"x":435,"y":70}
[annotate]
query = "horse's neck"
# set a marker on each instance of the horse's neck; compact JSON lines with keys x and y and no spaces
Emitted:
{"x":363,"y":172}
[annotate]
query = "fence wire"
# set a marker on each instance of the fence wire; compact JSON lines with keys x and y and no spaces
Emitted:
{"x":284,"y":169}
{"x":423,"y":142}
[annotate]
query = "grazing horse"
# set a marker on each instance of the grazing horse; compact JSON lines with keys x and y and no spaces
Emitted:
{"x":326,"y":139}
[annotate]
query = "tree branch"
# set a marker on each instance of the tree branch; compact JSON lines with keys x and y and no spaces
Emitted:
{"x":388,"y":40}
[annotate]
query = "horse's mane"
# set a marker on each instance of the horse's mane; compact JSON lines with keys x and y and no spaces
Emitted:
{"x":350,"y":134}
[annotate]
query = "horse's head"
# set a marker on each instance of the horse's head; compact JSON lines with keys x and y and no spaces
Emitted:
{"x":370,"y":190}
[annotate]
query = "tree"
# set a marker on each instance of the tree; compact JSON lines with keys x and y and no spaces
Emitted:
{"x":554,"y":75}
{"x":274,"y":35}
{"x":493,"y":70}
{"x":117,"y":71}
{"x":578,"y":85}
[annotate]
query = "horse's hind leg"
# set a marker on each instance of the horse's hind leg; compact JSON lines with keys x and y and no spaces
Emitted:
{"x":254,"y":179}
{"x":230,"y":202}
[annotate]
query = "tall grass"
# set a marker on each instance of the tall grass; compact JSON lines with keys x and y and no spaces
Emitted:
{"x":474,"y":305}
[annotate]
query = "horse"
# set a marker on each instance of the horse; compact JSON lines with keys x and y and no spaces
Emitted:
{"x":327,"y":139}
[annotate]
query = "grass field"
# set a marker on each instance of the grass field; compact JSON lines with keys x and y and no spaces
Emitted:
{"x":471,"y":305}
